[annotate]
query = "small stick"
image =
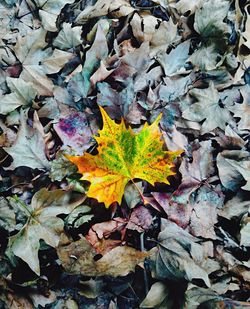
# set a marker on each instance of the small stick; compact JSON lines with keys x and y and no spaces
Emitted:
{"x":144,"y":270}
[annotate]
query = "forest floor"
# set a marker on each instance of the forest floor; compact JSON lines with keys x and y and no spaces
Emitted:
{"x":125,"y":154}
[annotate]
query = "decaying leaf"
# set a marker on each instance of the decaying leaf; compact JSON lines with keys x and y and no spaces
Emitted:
{"x":180,"y":255}
{"x":197,"y":297}
{"x":173,"y":63}
{"x":204,"y":214}
{"x":78,"y":258}
{"x":140,"y":219}
{"x":42,"y":223}
{"x":156,"y":296}
{"x":25,"y":149}
{"x":74,"y":132}
{"x":197,"y":172}
{"x":208,"y":108}
{"x":176,"y":212}
{"x":234,"y":169}
{"x":68,"y":37}
{"x":49,"y":11}
{"x":7,"y":220}
{"x":117,"y":9}
{"x":103,"y":230}
{"x":185,"y":59}
{"x":245,"y":231}
{"x":209,"y":25}
{"x":79,"y":84}
{"x":37,"y":60}
{"x":123,"y":156}
{"x":22,"y":94}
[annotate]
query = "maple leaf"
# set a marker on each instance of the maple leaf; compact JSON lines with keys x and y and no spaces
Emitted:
{"x":29,"y":139}
{"x":209,"y":108}
{"x":22,"y":93}
{"x":123,"y":156}
{"x":42,"y":223}
{"x":37,"y":60}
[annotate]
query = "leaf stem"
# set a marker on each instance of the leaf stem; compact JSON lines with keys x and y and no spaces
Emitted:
{"x":144,"y":200}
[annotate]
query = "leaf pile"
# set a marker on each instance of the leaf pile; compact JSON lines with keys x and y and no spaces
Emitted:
{"x":150,"y":99}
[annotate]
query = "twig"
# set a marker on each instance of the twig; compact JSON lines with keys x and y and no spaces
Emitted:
{"x":145,"y":277}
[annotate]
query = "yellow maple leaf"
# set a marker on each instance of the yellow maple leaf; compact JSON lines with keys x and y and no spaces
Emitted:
{"x":123,"y":156}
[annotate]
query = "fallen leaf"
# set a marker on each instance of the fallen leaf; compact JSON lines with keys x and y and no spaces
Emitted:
{"x":196,"y":297}
{"x":234,"y":168}
{"x":186,"y":6}
{"x":22,"y":94}
{"x":132,"y":195}
{"x":235,"y":207}
{"x":29,"y":140}
{"x":124,"y":156}
{"x":79,"y":216}
{"x":61,"y":167}
{"x":140,"y":219}
{"x":120,"y":261}
{"x":37,"y":60}
{"x":143,"y":26}
{"x":176,"y":212}
{"x":56,"y":61}
{"x":42,"y":223}
{"x":74,"y":132}
{"x":78,"y":258}
{"x":68,"y":37}
{"x":103,"y":230}
{"x":49,"y":11}
{"x":208,"y":108}
{"x":156,"y":295}
{"x":209,"y":25}
{"x":174,"y":88}
{"x":116,"y":103}
{"x":173,"y":63}
{"x":204,"y":213}
{"x":242,"y":110}
{"x":197,"y":172}
{"x":7,"y":220}
{"x":245,"y":231}
{"x":179,"y":256}
{"x":101,"y":8}
{"x":91,"y":288}
{"x":206,"y":58}
{"x":79,"y":84}
{"x":7,"y":137}
{"x":30,"y":52}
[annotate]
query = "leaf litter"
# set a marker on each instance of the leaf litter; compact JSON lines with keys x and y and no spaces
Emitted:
{"x":118,"y":85}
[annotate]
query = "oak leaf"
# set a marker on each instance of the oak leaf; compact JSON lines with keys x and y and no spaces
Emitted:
{"x":123,"y":156}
